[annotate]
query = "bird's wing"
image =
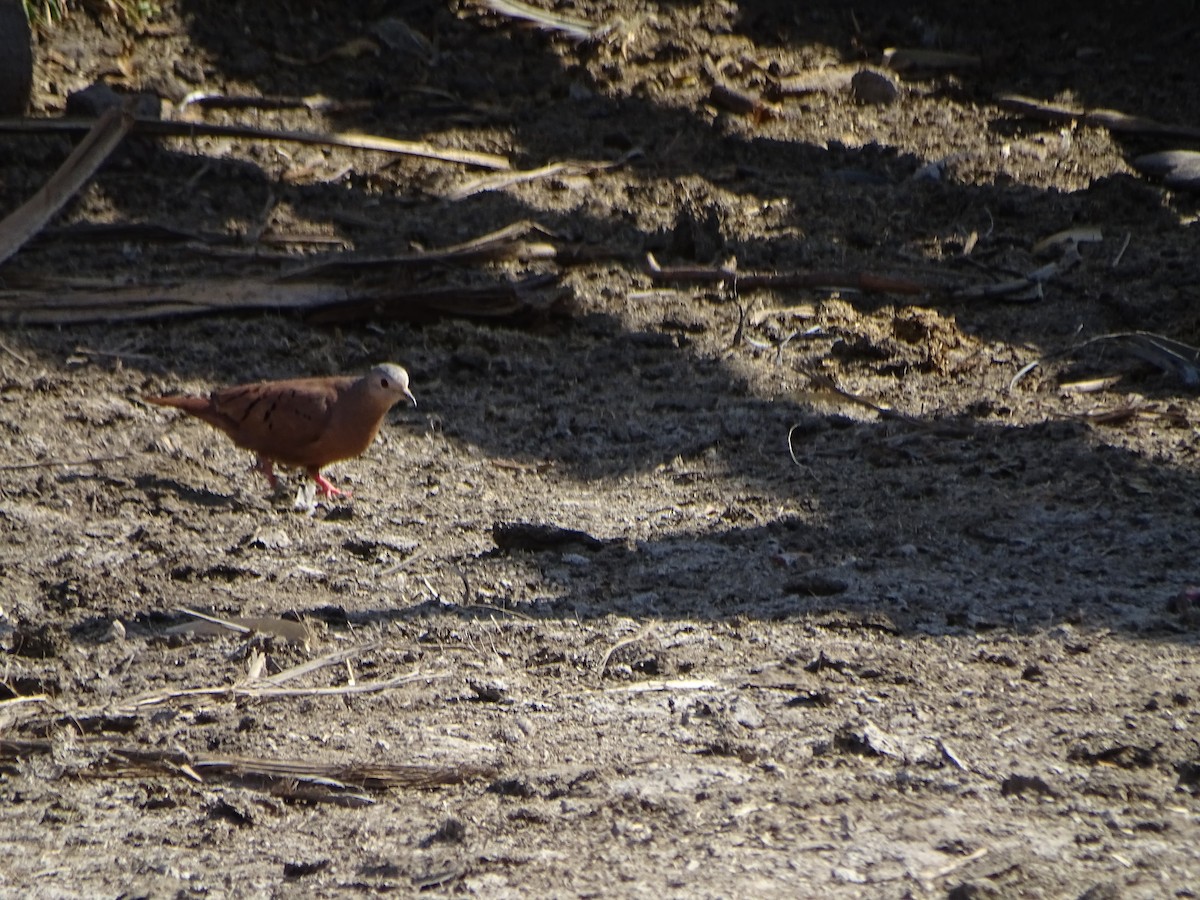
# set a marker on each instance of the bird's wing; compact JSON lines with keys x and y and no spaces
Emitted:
{"x":281,"y":420}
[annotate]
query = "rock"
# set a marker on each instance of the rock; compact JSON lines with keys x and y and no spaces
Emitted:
{"x":874,"y":88}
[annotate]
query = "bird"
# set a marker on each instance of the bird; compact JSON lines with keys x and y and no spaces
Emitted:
{"x":305,"y":423}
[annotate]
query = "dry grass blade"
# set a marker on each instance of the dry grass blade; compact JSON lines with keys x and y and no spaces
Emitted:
{"x":827,"y":384}
{"x":361,"y":777}
{"x":17,"y":701}
{"x":1173,"y":357}
{"x":108,"y":131}
{"x":507,"y":244}
{"x":222,"y":624}
{"x":576,"y":29}
{"x":314,"y":103}
{"x":267,"y":691}
{"x":676,"y":684}
{"x":14,"y":354}
{"x":568,"y":168}
{"x":644,"y":632}
{"x":329,"y":659}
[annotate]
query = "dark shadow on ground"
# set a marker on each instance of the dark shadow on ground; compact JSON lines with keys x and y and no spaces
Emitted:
{"x":602,"y":401}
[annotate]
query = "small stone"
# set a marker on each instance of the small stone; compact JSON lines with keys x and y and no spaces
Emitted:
{"x":747,"y":714}
{"x":491,"y":691}
{"x":189,"y":70}
{"x":874,"y":88}
{"x":96,"y":99}
{"x":270,"y":539}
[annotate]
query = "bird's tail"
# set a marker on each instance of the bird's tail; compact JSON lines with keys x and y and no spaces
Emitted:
{"x":200,"y":407}
{"x":189,"y":404}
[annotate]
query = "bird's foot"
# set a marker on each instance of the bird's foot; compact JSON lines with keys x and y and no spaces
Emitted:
{"x":267,"y":468}
{"x":327,"y":489}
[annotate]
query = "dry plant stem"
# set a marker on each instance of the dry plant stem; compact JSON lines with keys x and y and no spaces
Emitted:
{"x":824,"y":381}
{"x":316,"y":103}
{"x":224,"y":623}
{"x":261,"y":692}
{"x":13,"y":353}
{"x":643,"y":632}
{"x":571,"y":168}
{"x":569,"y":26}
{"x":330,"y":659}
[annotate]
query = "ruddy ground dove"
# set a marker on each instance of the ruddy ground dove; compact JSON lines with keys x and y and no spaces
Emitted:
{"x":303,"y":422}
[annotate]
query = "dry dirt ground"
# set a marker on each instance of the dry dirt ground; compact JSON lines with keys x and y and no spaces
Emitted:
{"x":940,"y":643}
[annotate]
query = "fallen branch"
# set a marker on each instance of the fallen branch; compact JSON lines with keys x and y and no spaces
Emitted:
{"x":330,"y":782}
{"x":865,"y":282}
{"x":106,"y":133}
{"x":320,"y":301}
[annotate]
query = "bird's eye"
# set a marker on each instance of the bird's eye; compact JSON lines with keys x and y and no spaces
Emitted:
{"x":383,"y":382}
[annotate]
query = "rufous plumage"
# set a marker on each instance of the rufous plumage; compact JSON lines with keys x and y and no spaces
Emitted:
{"x":307,"y":423}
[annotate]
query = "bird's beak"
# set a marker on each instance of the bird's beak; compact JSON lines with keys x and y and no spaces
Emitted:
{"x":408,"y":394}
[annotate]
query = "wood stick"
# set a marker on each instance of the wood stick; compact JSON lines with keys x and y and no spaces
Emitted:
{"x":106,"y":133}
{"x":351,"y":140}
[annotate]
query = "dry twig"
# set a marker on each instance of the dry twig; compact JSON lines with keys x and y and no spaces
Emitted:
{"x":267,"y":691}
{"x":351,"y":140}
{"x":1101,"y":118}
{"x":866,"y":282}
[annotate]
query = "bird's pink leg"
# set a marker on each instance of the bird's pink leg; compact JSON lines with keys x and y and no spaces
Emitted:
{"x":267,"y":467}
{"x":327,"y":489}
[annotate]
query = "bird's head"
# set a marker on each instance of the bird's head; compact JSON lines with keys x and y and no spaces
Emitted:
{"x":389,"y":382}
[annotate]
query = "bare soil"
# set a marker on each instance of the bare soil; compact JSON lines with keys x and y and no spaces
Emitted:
{"x":800,"y":646}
